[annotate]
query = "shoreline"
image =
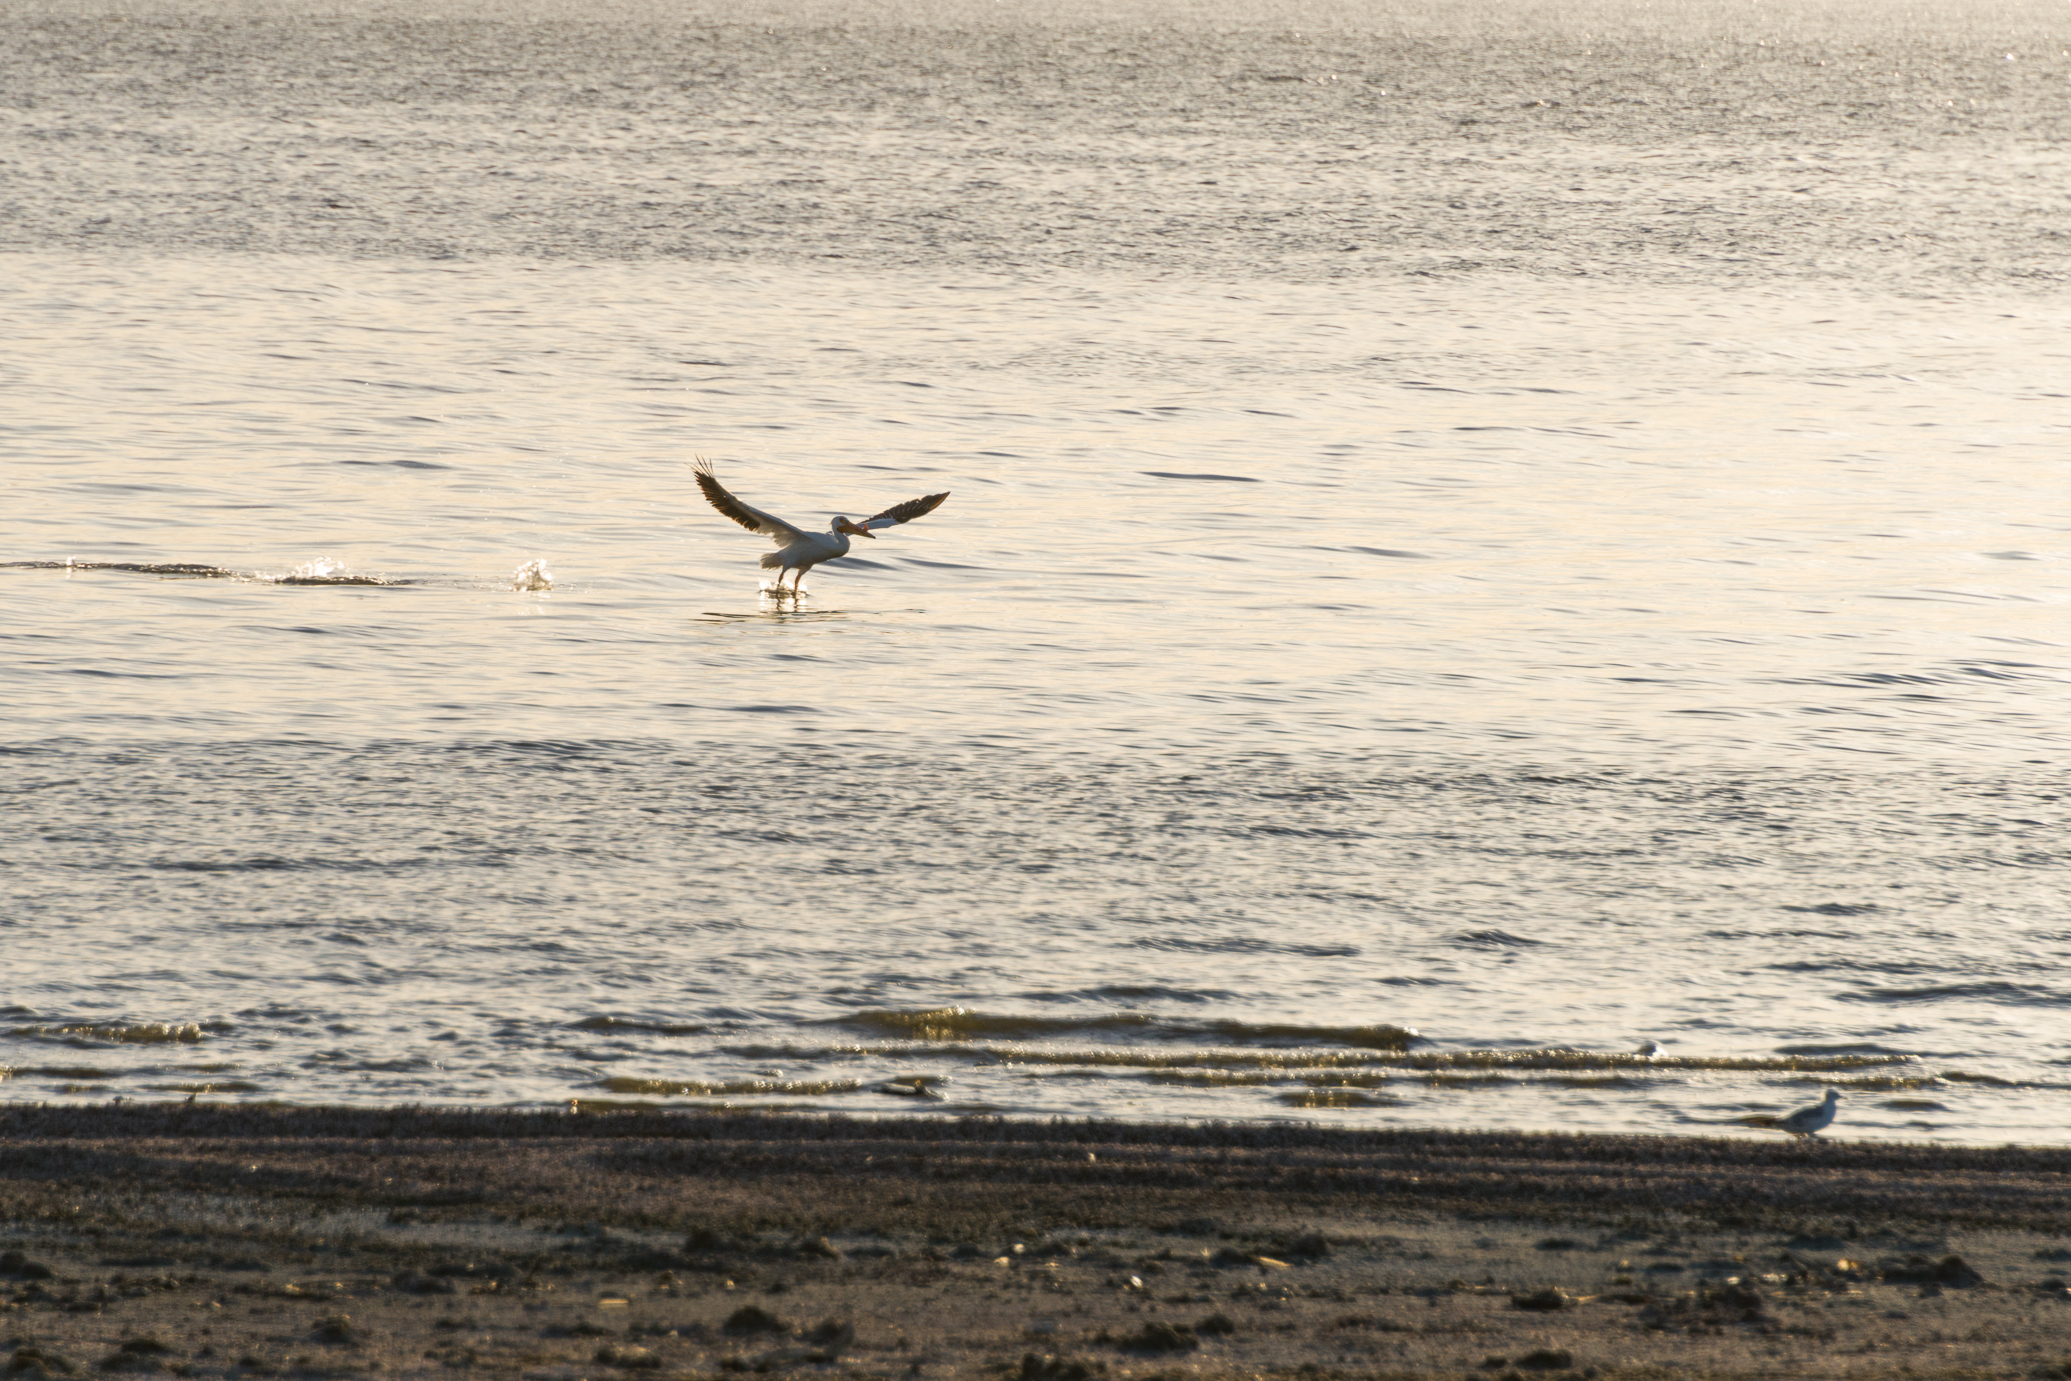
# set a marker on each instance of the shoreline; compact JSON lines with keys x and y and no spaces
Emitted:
{"x":1995,"y":1186}
{"x":245,"y":1241}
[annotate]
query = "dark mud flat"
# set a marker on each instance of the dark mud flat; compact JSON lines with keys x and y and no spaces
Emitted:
{"x":203,"y":1241}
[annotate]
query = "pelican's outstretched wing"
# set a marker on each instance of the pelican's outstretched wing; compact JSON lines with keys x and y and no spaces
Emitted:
{"x":906,"y":512}
{"x":753,"y":519}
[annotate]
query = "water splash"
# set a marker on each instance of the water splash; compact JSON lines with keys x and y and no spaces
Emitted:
{"x":324,"y":570}
{"x":532,"y":577}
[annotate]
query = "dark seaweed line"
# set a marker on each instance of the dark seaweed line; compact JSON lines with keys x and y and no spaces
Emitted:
{"x":22,"y":1122}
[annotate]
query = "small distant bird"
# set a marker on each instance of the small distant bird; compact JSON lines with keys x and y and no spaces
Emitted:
{"x":799,"y":550}
{"x":1806,"y":1122}
{"x":1648,"y":1049}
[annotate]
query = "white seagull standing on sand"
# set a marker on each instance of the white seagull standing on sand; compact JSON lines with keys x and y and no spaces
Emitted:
{"x":1806,"y":1122}
{"x":800,"y":550}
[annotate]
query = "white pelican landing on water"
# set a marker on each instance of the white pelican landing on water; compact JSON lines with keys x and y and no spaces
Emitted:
{"x":799,"y":550}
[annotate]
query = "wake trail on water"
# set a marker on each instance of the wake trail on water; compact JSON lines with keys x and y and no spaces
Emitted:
{"x":532,"y":576}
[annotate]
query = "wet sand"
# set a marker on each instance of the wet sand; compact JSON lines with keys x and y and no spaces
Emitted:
{"x":209,"y":1241}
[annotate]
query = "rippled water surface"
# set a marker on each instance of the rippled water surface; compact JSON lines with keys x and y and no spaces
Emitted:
{"x":1469,"y":548}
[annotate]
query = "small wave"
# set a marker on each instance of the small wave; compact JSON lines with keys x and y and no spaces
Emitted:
{"x":143,"y":1033}
{"x":1955,"y":673}
{"x":1233,"y":1078}
{"x":1364,"y":1037}
{"x":662,"y":1028}
{"x":1091,"y":1059}
{"x":1549,"y":1059}
{"x":1874,"y":1083}
{"x":1343,"y":1079}
{"x":2017,"y":994}
{"x":961,"y":1023}
{"x":1853,"y":1048}
{"x":1336,"y":1098}
{"x":268,"y":863}
{"x":609,"y":1105}
{"x":1276,"y":831}
{"x":226,"y":1086}
{"x":1854,"y":966}
{"x":531,"y":577}
{"x":1246,"y":944}
{"x":1153,"y":992}
{"x":1492,"y":939}
{"x":701,"y":1088}
{"x":1837,"y":908}
{"x":1182,"y":475}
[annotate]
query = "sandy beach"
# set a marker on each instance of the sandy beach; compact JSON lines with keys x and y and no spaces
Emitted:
{"x":210,"y":1242}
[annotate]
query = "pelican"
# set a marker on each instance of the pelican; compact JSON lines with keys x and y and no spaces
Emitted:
{"x":797,"y":549}
{"x":1806,"y":1122}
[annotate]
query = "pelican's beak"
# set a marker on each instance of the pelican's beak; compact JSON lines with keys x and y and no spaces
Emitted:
{"x":862,"y":531}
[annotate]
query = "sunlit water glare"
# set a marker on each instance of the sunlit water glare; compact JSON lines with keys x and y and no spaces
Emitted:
{"x":1381,"y":690}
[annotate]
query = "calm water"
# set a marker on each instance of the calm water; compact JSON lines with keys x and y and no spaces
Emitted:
{"x":1470,"y":547}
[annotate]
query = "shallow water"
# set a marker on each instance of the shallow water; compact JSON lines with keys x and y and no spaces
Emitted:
{"x":1611,"y":638}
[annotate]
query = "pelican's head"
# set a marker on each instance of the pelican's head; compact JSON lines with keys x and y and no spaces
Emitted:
{"x":853,"y":529}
